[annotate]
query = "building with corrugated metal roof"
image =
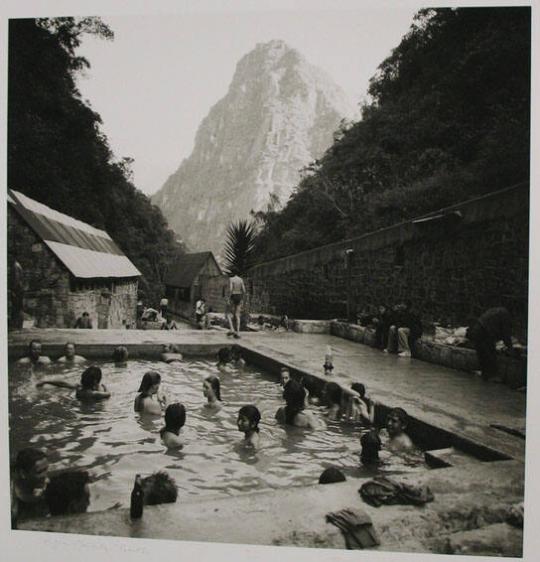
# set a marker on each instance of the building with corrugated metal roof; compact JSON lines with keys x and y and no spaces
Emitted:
{"x":68,"y":267}
{"x":193,"y":276}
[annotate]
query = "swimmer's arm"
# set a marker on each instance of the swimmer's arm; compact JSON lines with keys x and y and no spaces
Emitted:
{"x":61,"y":384}
{"x":99,"y":394}
{"x":162,"y":399}
{"x":44,"y":360}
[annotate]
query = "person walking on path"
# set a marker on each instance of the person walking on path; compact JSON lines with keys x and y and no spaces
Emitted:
{"x":493,"y":326}
{"x":237,"y":290}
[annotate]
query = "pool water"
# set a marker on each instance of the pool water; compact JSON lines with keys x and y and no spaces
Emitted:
{"x":114,"y":443}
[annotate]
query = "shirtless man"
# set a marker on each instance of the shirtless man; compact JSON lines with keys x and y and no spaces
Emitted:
{"x":237,"y":290}
{"x":34,"y":356}
{"x":69,"y":356}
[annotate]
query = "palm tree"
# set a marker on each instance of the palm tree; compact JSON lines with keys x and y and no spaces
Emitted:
{"x":239,"y":247}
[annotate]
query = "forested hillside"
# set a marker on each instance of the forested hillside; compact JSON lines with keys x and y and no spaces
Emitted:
{"x":447,"y":119}
{"x":57,"y":153}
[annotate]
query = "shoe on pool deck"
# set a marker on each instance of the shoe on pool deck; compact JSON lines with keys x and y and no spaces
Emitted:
{"x":405,"y":354}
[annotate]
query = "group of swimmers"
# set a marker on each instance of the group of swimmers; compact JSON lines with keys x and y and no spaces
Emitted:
{"x":349,"y":405}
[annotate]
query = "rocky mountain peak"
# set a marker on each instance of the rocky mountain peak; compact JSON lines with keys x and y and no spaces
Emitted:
{"x":278,"y":115}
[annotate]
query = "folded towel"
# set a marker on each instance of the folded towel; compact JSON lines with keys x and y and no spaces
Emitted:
{"x":356,"y":527}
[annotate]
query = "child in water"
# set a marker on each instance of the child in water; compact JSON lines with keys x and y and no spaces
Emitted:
{"x":212,"y":392}
{"x":144,"y":401}
{"x":396,"y":424}
{"x":175,"y":418}
{"x":90,"y":387}
{"x":293,"y":413}
{"x":248,"y":423}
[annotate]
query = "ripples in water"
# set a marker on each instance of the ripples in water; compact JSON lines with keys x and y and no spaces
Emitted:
{"x":114,"y":443}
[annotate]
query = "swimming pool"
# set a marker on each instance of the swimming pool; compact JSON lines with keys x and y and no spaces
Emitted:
{"x":111,"y":441}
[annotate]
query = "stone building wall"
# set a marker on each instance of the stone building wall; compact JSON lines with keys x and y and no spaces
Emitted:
{"x":53,"y":298}
{"x":451,"y":268}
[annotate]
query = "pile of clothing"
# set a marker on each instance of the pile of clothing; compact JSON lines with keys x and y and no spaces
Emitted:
{"x":382,"y":490}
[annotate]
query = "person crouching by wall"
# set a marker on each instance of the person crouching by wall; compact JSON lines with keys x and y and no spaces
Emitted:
{"x":494,"y":325}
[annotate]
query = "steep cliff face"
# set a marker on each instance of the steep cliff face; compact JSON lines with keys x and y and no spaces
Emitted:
{"x":279,"y":114}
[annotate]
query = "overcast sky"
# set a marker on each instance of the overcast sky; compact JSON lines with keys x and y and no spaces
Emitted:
{"x":160,"y":76}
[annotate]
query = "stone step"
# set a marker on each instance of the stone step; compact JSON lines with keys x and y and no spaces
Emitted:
{"x":442,"y":458}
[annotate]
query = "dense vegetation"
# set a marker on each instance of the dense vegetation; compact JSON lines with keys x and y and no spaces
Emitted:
{"x":447,"y":119}
{"x":58,"y":155}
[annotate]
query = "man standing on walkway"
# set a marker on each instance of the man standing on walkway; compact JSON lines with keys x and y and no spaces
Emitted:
{"x":237,"y":290}
{"x":163,"y":306}
{"x":494,"y":325}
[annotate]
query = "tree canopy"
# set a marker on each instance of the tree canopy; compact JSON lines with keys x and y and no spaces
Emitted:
{"x":58,"y":154}
{"x":447,"y":119}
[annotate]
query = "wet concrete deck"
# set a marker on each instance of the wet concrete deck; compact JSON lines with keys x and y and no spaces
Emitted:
{"x":453,"y":400}
{"x":467,"y":516}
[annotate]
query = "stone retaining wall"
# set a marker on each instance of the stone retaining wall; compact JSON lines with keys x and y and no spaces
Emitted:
{"x":464,"y":260}
{"x":513,"y":371}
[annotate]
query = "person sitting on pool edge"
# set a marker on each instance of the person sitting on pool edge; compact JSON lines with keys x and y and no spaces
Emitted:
{"x":69,"y":355}
{"x":175,"y":418}
{"x":90,"y":387}
{"x":34,"y":356}
{"x":144,"y":402}
{"x":170,"y":354}
{"x":68,"y":493}
{"x":28,"y":482}
{"x":248,"y":423}
{"x":120,"y":356}
{"x":212,"y":392}
{"x":396,"y":424}
{"x":293,"y":413}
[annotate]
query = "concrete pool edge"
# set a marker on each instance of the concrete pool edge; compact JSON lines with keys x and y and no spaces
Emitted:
{"x":463,"y":511}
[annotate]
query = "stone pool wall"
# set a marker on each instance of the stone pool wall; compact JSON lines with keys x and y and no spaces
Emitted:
{"x":467,"y":258}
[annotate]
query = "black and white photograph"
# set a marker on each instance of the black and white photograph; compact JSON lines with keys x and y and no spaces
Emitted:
{"x":267,"y":279}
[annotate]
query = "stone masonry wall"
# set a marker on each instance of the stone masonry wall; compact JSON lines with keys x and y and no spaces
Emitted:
{"x":450,"y":268}
{"x":49,"y":297}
